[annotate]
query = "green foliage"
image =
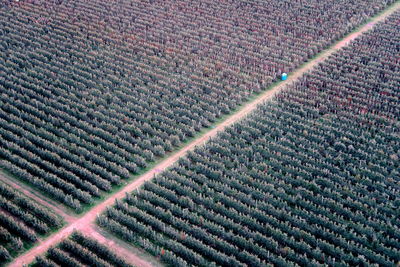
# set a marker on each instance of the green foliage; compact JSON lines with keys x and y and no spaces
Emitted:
{"x":79,"y":250}
{"x":100,"y":250}
{"x":310,"y":178}
{"x":40,"y":261}
{"x":4,"y":254}
{"x":22,"y":220}
{"x":85,"y":100}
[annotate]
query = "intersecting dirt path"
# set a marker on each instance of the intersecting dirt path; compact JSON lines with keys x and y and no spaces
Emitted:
{"x":85,"y":224}
{"x":36,"y":196}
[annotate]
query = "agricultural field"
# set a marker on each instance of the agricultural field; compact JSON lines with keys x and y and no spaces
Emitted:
{"x":22,"y":222}
{"x":310,"y":178}
{"x":79,"y":250}
{"x":92,"y":92}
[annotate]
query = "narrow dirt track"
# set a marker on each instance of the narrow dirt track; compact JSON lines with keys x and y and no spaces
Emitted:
{"x":85,"y":223}
{"x":124,"y":249}
{"x":36,"y":196}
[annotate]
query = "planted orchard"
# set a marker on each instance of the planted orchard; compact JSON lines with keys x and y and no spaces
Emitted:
{"x":79,"y":250}
{"x":22,"y":222}
{"x":310,"y":178}
{"x":93,"y":91}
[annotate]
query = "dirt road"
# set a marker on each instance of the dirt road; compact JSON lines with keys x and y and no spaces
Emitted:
{"x":85,"y":223}
{"x":36,"y":196}
{"x":124,"y":249}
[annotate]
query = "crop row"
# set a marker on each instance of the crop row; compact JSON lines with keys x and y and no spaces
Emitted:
{"x":92,"y":91}
{"x":311,"y":178}
{"x":21,"y":221}
{"x":79,"y":250}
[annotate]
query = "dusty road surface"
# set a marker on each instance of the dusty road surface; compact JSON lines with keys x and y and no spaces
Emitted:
{"x":85,"y":223}
{"x":36,"y":196}
{"x":127,"y":251}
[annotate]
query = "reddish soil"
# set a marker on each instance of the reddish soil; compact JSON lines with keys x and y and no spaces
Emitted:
{"x":36,"y":196}
{"x":86,"y":223}
{"x":351,"y":37}
{"x":124,"y":249}
{"x":367,"y":26}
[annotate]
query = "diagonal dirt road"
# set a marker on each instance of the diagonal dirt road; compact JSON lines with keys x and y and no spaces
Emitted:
{"x":124,"y":249}
{"x":36,"y":196}
{"x":86,"y":222}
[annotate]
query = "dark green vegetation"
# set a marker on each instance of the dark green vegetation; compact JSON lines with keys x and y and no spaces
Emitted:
{"x":22,"y":220}
{"x":92,"y":91}
{"x":79,"y":250}
{"x":309,"y":178}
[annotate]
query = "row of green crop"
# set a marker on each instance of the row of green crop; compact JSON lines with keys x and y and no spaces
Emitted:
{"x":79,"y":250}
{"x":308,"y":179}
{"x":87,"y":97}
{"x":22,"y":220}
